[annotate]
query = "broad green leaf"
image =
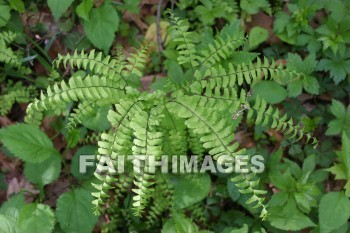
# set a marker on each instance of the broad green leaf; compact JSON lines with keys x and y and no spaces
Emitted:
{"x":335,"y":127}
{"x":334,"y":211}
{"x":27,"y":142}
{"x":7,"y":225}
{"x":309,"y":164}
{"x":190,"y":189}
{"x":337,"y":109}
{"x":13,"y":206}
{"x":36,"y":218}
{"x":311,"y":85}
{"x":17,"y":5}
{"x":74,"y":211}
{"x":295,"y":88}
{"x":270,"y":91}
{"x":175,"y":72}
{"x":58,"y":7}
{"x":97,"y":120}
{"x":253,"y":6}
{"x":45,"y":172}
{"x":257,"y":36}
{"x":179,"y":223}
{"x":5,"y":14}
{"x":84,"y":8}
{"x":289,"y":218}
{"x":102,"y":25}
{"x":85,"y":150}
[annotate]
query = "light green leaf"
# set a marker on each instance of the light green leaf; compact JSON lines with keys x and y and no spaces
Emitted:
{"x":45,"y":172}
{"x":190,"y":189}
{"x":12,"y":207}
{"x":100,"y":29}
{"x":295,"y":88}
{"x":84,"y":8}
{"x":7,"y":224}
{"x":264,"y":90}
{"x":74,"y":211}
{"x":17,"y":5}
{"x":257,"y":36}
{"x":58,"y":7}
{"x":36,"y":218}
{"x":27,"y":142}
{"x":5,"y":14}
{"x":337,"y":109}
{"x":334,"y":211}
{"x":289,"y":218}
{"x":311,"y":85}
{"x":335,"y":127}
{"x":179,"y":223}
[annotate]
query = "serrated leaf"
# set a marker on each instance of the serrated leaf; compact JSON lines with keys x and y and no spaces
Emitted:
{"x":311,"y":85}
{"x":17,"y":5}
{"x":27,"y":142}
{"x":36,"y":218}
{"x":100,"y":29}
{"x":337,"y":109}
{"x":12,"y":207}
{"x":334,"y":211}
{"x":84,"y":8}
{"x":45,"y":172}
{"x":289,"y":218}
{"x":58,"y":7}
{"x":7,"y":224}
{"x":74,"y":211}
{"x":257,"y":36}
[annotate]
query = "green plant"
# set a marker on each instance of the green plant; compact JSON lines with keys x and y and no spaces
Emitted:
{"x":200,"y":109}
{"x":13,"y":66}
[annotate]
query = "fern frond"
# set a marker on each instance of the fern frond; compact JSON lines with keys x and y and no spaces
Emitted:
{"x":185,"y":45}
{"x":107,"y":66}
{"x":116,"y":143}
{"x":17,"y":93}
{"x":7,"y":36}
{"x":162,"y":199}
{"x":106,"y":178}
{"x":236,"y":75}
{"x":136,"y":63}
{"x":8,"y":56}
{"x":221,"y":49}
{"x":247,"y":184}
{"x":77,"y":89}
{"x":266,"y":115}
{"x":148,"y":141}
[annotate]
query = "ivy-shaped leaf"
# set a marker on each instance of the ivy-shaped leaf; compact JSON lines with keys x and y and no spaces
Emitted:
{"x":102,"y":24}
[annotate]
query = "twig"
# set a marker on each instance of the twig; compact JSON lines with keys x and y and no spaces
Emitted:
{"x":159,"y":36}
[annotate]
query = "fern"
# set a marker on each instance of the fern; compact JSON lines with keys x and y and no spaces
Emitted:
{"x":194,"y":116}
{"x":14,"y":94}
